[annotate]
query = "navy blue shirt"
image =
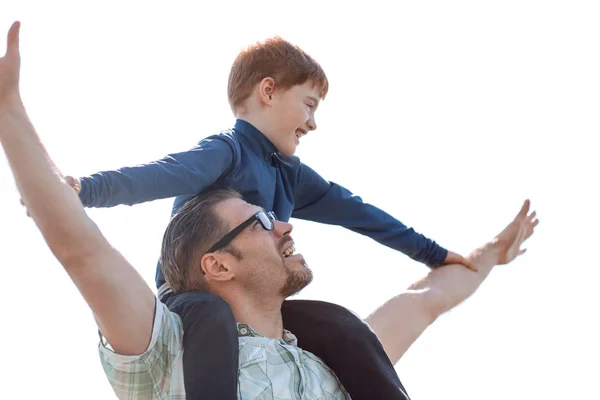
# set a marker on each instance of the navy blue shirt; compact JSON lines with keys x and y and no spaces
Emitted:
{"x":245,"y":160}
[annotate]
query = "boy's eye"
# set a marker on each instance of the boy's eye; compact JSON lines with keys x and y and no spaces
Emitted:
{"x":309,"y":105}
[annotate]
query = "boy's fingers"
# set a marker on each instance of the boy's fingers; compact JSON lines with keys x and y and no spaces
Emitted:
{"x":470,"y":265}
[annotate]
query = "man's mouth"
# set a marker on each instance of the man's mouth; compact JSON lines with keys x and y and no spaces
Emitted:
{"x":289,"y":250}
{"x":300,"y":133}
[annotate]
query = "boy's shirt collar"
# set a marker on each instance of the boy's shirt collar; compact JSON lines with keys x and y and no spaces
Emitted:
{"x":258,"y":142}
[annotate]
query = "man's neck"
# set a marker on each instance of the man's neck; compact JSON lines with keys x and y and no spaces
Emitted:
{"x":262,"y":316}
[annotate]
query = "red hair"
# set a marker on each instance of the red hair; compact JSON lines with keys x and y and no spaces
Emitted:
{"x":276,"y":58}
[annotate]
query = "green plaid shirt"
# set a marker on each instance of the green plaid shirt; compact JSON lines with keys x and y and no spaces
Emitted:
{"x":268,"y":369}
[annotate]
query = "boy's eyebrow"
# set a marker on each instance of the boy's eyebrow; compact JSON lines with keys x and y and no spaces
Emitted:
{"x":314,"y":99}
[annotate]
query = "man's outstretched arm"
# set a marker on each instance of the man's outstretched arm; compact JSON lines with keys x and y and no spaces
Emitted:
{"x":122,"y":303}
{"x":401,"y":320}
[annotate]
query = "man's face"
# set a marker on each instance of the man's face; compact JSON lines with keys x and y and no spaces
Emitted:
{"x":293,"y":115}
{"x":269,"y":265}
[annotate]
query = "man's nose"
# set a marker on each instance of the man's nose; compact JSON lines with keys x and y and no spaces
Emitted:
{"x":281,"y":228}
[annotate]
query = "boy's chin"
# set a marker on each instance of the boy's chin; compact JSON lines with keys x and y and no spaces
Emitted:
{"x":288,"y":150}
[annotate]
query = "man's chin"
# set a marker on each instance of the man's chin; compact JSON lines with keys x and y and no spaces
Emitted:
{"x":299,"y":278}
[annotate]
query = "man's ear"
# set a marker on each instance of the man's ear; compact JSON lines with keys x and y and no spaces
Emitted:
{"x":216,"y":267}
{"x":266,"y":88}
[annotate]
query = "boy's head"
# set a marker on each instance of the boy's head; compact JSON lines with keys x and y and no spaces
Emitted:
{"x":277,"y":87}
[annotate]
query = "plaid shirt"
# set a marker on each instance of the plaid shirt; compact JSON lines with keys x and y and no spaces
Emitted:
{"x":268,"y":369}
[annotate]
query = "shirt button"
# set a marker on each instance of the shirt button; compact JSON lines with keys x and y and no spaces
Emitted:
{"x":244,"y":331}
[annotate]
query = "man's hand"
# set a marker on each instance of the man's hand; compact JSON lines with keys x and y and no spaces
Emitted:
{"x":509,"y":241}
{"x":454,"y":258}
{"x":10,"y":65}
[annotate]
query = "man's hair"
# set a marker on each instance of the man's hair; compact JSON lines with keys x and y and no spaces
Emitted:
{"x":286,"y":63}
{"x":189,"y":235}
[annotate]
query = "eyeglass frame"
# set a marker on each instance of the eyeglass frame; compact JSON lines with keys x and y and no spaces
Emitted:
{"x":228,"y":238}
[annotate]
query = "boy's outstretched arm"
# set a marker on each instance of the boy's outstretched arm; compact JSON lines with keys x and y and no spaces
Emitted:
{"x":401,"y":320}
{"x":122,"y":303}
{"x":184,"y":173}
{"x":321,"y":201}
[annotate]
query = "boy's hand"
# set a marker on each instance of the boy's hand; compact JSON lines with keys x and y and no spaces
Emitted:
{"x":453,"y":258}
{"x":75,"y":183}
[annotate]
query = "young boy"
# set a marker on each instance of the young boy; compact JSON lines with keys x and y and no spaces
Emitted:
{"x":274,"y":90}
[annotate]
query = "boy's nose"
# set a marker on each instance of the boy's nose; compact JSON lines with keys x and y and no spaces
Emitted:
{"x":312,"y":123}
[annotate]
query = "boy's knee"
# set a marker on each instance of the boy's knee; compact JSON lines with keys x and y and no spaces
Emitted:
{"x":202,"y":308}
{"x":333,"y":320}
{"x":217,"y":310}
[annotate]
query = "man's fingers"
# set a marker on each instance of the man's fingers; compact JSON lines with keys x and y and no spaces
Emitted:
{"x":12,"y":45}
{"x":522,"y":235}
{"x":531,"y":216}
{"x":530,"y":227}
{"x":524,"y":210}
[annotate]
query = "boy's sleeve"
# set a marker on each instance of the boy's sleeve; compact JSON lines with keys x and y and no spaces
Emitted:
{"x":185,"y":173}
{"x":321,"y":201}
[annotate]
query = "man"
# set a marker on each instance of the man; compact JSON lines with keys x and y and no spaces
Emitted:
{"x":235,"y":250}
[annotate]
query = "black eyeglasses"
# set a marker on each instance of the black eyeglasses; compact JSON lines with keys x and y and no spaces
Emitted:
{"x":265,"y":218}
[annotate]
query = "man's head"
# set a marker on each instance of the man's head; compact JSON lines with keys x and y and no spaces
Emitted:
{"x":219,"y":243}
{"x":277,"y":87}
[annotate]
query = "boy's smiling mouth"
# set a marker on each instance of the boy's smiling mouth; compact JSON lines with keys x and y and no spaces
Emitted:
{"x":300,"y":133}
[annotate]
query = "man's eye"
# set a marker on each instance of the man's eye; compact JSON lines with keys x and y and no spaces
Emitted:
{"x":257,"y":223}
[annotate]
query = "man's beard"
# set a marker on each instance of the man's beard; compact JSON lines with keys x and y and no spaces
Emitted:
{"x":296,"y":281}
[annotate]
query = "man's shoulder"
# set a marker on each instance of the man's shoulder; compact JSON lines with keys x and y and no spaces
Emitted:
{"x":158,"y":370}
{"x":167,"y":332}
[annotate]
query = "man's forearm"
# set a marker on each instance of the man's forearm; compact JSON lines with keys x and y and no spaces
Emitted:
{"x":452,"y":284}
{"x":51,"y":202}
{"x":402,"y":319}
{"x":122,"y":303}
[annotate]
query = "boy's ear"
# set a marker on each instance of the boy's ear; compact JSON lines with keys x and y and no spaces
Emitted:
{"x":266,"y":88}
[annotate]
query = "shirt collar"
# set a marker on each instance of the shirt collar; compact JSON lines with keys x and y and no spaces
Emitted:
{"x":257,"y":141}
{"x":246,"y":330}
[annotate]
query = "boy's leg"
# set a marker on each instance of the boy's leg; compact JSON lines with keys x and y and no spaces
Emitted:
{"x":347,"y":345}
{"x":210,"y":345}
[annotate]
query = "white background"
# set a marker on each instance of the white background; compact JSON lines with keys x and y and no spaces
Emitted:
{"x":445,"y":114}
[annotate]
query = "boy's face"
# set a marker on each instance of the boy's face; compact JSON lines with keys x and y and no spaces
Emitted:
{"x":292,"y":115}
